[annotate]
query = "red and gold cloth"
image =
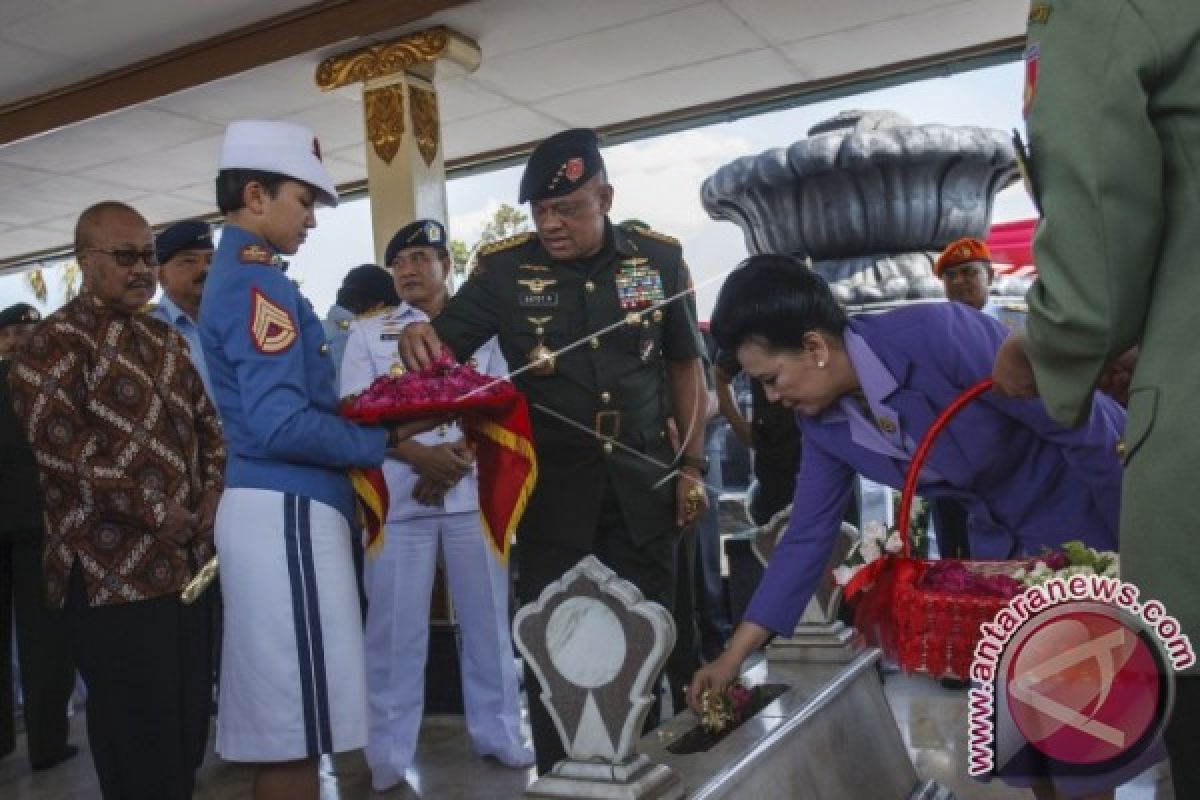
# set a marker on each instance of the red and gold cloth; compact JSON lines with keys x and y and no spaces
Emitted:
{"x":495,"y":417}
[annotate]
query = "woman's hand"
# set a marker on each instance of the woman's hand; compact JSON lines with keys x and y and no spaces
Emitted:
{"x":713,"y":676}
{"x":746,"y":638}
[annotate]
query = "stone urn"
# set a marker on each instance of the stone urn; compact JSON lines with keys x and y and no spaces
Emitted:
{"x":869,"y":198}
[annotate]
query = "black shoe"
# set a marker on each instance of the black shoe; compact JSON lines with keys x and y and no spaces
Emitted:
{"x":955,"y":683}
{"x":70,"y":751}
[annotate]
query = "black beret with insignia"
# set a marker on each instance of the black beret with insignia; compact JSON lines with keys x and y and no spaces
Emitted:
{"x":19,"y":314}
{"x":422,"y":233}
{"x":560,"y":165}
{"x":190,"y":234}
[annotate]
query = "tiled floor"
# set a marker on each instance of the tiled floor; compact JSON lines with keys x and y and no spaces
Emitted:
{"x":931,"y":719}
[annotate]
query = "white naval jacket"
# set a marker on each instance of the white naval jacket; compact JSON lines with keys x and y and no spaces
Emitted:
{"x":371,"y":350}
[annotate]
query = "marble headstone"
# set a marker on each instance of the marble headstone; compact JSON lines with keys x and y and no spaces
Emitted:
{"x":819,"y":634}
{"x":597,"y":647}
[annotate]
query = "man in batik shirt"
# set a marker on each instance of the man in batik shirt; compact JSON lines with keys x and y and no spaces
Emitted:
{"x":131,"y":462}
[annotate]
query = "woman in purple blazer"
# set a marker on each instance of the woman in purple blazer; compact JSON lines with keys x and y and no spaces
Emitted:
{"x":865,"y":391}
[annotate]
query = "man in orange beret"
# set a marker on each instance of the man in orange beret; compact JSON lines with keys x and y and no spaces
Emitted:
{"x":965,"y":267}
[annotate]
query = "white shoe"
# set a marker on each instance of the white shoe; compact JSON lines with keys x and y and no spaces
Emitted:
{"x":516,"y":756}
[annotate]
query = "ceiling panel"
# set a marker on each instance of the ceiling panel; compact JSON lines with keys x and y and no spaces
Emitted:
{"x":769,"y":18}
{"x":508,"y":26}
{"x":903,"y":38}
{"x":113,"y":33}
{"x":688,"y":86}
{"x":28,"y":72}
{"x":645,"y":47}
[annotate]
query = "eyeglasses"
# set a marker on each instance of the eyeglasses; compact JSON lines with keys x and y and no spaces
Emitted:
{"x":126,"y":257}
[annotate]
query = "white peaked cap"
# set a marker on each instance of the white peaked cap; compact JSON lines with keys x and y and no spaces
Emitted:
{"x":281,"y":147}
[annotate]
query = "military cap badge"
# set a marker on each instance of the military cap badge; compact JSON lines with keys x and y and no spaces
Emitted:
{"x":573,"y":168}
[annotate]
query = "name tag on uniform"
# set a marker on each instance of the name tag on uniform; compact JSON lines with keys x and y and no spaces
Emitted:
{"x":390,"y":334}
{"x":536,"y":300}
{"x":638,"y":285}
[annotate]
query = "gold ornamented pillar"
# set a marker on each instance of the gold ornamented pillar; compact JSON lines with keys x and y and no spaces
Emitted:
{"x":406,"y":174}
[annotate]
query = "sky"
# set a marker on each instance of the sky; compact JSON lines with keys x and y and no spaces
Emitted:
{"x":657,"y":180}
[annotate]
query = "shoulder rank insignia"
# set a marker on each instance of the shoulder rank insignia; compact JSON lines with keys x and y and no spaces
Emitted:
{"x":257,"y":254}
{"x":506,"y":244}
{"x":653,"y":234}
{"x":271,"y":326}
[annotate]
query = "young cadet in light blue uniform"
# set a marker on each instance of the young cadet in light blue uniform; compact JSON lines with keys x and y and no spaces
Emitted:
{"x":292,"y":676}
{"x":434,"y":502}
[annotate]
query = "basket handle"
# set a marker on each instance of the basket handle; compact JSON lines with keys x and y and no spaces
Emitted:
{"x":918,"y":460}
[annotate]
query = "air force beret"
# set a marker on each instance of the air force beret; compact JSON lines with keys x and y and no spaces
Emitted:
{"x":560,"y":165}
{"x":19,"y":314}
{"x":190,"y":234}
{"x":281,"y":147}
{"x":422,"y":233}
{"x":961,"y":252}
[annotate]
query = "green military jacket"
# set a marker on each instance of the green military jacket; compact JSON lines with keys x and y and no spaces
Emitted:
{"x":1113,"y":111}
{"x":599,"y":416}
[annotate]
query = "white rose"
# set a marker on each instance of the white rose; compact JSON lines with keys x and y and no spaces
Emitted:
{"x":875,"y":530}
{"x":894,"y":544}
{"x":869,"y":548}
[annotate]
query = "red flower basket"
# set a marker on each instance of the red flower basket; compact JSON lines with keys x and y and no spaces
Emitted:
{"x":926,"y":615}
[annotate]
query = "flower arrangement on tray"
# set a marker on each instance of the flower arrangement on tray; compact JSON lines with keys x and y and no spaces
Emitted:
{"x":443,"y":387}
{"x":495,"y":419}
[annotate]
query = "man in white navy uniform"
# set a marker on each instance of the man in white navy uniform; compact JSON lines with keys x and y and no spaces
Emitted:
{"x":434,"y":502}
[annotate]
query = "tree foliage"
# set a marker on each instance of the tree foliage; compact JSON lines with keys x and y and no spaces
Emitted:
{"x":505,"y":222}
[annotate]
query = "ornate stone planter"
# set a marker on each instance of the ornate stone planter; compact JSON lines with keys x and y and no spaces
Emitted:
{"x":869,"y":197}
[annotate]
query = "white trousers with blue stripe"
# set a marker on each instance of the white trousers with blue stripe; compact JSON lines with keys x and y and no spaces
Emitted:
{"x":293,"y":684}
{"x":399,"y":586}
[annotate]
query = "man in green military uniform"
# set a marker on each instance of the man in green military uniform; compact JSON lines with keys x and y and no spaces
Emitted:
{"x":1113,"y":109}
{"x":596,"y":325}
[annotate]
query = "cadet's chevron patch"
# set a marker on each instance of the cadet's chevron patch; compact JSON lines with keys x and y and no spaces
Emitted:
{"x":272,"y":328}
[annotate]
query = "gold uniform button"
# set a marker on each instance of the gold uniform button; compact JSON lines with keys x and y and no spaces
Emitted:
{"x":605,"y":398}
{"x":324,"y":349}
{"x":343,"y":324}
{"x":595,"y":343}
{"x":589,"y":286}
{"x":1121,"y":449}
{"x":657,"y":315}
{"x":886,"y":425}
{"x":608,"y":448}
